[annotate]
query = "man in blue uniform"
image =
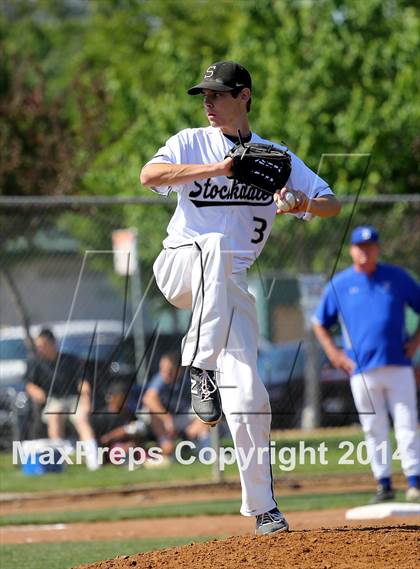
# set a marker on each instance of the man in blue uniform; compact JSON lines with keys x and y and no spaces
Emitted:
{"x":369,"y":300}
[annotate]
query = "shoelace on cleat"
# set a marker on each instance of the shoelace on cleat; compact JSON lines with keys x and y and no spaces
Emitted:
{"x":269,"y":517}
{"x":207,"y":386}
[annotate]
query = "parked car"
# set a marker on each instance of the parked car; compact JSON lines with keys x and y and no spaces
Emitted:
{"x":13,"y":356}
{"x":107,"y":347}
{"x":12,"y":415}
{"x":108,"y":358}
{"x":89,"y":340}
{"x":282,"y":370}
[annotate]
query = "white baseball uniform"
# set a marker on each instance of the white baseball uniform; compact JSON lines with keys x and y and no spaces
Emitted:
{"x":218,"y":229}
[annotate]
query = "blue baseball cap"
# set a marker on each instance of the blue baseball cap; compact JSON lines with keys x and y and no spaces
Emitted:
{"x":364,"y":234}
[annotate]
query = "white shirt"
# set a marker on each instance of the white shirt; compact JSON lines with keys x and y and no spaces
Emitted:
{"x":242,"y":213}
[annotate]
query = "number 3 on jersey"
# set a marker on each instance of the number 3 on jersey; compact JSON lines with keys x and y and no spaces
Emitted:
{"x":259,"y":229}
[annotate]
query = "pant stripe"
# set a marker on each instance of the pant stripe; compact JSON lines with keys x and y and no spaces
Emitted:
{"x":271,"y":472}
{"x":202,"y":304}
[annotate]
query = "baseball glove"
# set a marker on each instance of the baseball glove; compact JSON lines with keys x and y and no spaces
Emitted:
{"x":261,"y":165}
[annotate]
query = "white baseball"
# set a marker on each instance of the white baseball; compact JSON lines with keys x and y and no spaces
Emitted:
{"x":287,"y":203}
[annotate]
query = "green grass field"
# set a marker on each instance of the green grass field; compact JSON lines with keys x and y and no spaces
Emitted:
{"x":72,"y":553}
{"x":298,"y":503}
{"x":69,"y":554}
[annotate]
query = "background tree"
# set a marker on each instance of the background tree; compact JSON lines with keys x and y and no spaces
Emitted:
{"x":89,"y":90}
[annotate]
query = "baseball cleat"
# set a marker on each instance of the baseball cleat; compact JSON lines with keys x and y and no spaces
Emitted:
{"x":412,"y":494}
{"x":205,"y":396}
{"x":271,"y":522}
{"x":382,"y":495}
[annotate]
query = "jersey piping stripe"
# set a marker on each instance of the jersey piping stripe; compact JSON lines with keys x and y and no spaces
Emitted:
{"x":180,"y":246}
{"x":202,"y":293}
{"x":202,"y":302}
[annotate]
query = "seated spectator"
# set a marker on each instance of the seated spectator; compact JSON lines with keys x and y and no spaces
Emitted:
{"x":116,"y":411}
{"x":129,"y":435}
{"x":56,"y":381}
{"x":168,"y":399}
{"x":117,"y":424}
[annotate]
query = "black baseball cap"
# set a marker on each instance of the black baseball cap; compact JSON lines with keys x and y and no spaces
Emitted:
{"x":223,"y":76}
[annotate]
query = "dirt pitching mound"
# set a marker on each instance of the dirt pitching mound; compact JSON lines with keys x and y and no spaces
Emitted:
{"x":343,"y":548}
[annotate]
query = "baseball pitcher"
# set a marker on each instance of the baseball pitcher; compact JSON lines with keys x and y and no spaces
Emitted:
{"x":230,"y":183}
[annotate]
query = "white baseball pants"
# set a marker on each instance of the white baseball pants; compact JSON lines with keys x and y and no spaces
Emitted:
{"x":375,"y":392}
{"x":223,"y":336}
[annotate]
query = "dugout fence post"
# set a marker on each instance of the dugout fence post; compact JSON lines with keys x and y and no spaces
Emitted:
{"x":127,"y":263}
{"x":310,"y":288}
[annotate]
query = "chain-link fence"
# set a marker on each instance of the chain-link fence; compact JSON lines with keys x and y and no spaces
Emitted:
{"x":57,"y":265}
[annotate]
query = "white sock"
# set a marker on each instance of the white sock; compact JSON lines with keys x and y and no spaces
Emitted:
{"x":91,"y":449}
